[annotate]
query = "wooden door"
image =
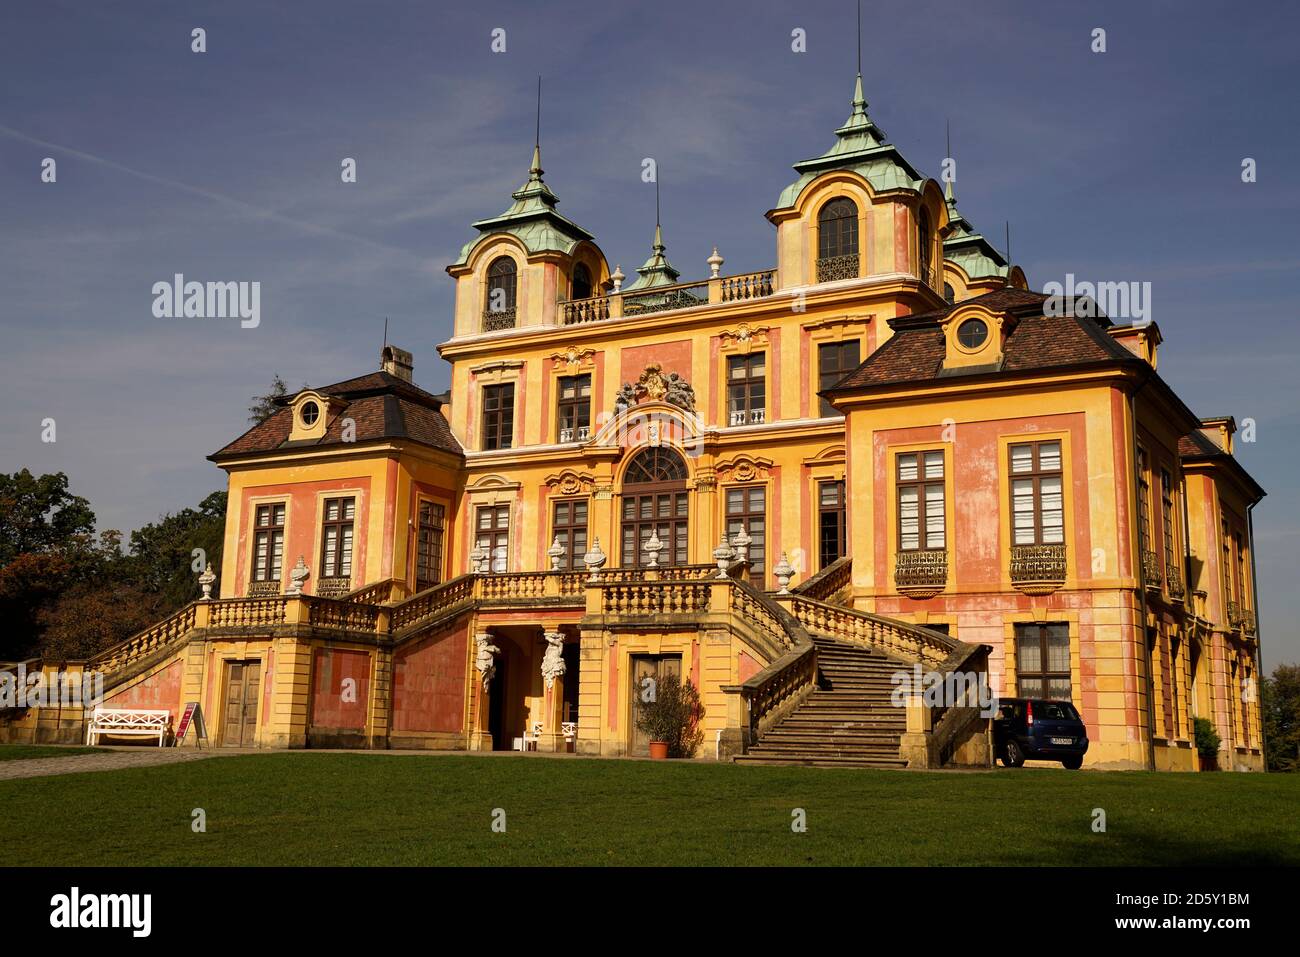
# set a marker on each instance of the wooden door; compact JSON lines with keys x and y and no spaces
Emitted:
{"x":648,"y":666}
{"x":239,"y":727}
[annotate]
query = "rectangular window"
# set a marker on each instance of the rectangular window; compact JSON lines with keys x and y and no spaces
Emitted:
{"x":835,"y":360}
{"x":1241,"y":569}
{"x":832,"y":531}
{"x":1043,"y":661}
{"x":428,"y":549}
{"x":268,"y":542}
{"x":920,"y":501}
{"x":492,"y":524}
{"x":573,"y":409}
{"x":498,"y":416}
{"x":1144,"y":504}
{"x":663,"y":515}
{"x":1037,"y":505}
{"x":336,"y":538}
{"x":746,"y":389}
{"x":569,"y":528}
{"x":1227,"y":564}
{"x":1167,"y":519}
{"x":747,"y":509}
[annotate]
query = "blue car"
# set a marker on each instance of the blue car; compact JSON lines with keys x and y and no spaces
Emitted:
{"x":1037,"y":728}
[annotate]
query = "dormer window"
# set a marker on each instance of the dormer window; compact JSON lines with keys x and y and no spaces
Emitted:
{"x":499,"y":309}
{"x":972,"y":333}
{"x":837,"y":240}
{"x":309,"y":413}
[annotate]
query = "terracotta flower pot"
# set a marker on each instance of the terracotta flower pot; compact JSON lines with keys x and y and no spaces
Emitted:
{"x":659,"y":750}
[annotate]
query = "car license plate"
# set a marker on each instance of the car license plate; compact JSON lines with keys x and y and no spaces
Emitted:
{"x":1063,"y":741}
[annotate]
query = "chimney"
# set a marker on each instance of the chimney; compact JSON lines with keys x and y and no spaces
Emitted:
{"x":397,"y":362}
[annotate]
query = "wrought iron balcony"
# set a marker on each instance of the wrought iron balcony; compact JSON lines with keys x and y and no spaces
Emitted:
{"x":1151,"y":570}
{"x":921,"y":573}
{"x":333,"y":587}
{"x":1037,"y":569}
{"x":495,"y":320}
{"x":665,"y":298}
{"x":1236,"y":616}
{"x":1174,"y":581}
{"x":837,"y":267}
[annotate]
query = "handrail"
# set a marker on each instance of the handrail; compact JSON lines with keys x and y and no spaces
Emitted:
{"x":145,"y":642}
{"x":828,"y":582}
{"x":785,"y":682}
{"x":896,"y":638}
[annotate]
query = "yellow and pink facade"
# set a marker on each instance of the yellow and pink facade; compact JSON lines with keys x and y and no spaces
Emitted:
{"x":624,"y":478}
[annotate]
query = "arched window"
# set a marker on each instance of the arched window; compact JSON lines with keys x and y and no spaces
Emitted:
{"x":949,"y":294}
{"x":499,"y":309}
{"x":837,"y":240}
{"x":581,"y":282}
{"x":655,"y":505}
{"x":923,"y":241}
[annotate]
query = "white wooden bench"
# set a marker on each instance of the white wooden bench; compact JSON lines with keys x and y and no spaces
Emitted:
{"x":128,"y":721}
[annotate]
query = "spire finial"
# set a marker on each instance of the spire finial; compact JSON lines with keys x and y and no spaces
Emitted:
{"x":1008,"y":244}
{"x":535,"y":171}
{"x":947,"y":137}
{"x":659,"y":238}
{"x":859,"y":38}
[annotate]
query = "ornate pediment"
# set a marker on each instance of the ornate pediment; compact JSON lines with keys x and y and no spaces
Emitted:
{"x":744,"y":468}
{"x":569,"y":482}
{"x":744,"y":337}
{"x":574,"y":359}
{"x":655,"y":385}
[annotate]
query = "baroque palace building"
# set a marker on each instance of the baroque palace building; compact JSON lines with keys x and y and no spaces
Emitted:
{"x":790,"y":485}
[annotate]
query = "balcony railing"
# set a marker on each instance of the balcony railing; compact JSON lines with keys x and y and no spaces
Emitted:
{"x":333,"y":587}
{"x":1037,"y":569}
{"x":756,"y":285}
{"x":837,"y":267}
{"x":665,"y":299}
{"x":747,"y":417}
{"x":724,"y":289}
{"x":494,"y":320}
{"x":1236,"y":616}
{"x":1248,"y":621}
{"x":921,"y":572}
{"x":584,"y":310}
{"x":580,"y":434}
{"x":1174,"y":582}
{"x":1151,"y":570}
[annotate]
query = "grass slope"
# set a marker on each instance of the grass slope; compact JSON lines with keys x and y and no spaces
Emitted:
{"x":22,"y":752}
{"x":347,"y":809}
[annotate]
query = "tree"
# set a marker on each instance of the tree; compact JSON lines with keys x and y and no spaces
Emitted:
{"x":264,"y":406}
{"x":1280,"y":706}
{"x":162,"y":559}
{"x":39,"y":514}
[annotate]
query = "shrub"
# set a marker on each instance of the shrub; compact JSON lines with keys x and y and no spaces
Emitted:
{"x":1207,"y":739}
{"x":673,"y":715}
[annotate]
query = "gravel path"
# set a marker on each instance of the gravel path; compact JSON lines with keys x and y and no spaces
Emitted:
{"x":111,"y":760}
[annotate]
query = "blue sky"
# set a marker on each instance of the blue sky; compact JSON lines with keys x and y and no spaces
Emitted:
{"x":225,"y":166}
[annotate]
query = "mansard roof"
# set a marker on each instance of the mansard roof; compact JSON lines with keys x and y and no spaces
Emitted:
{"x":532,"y":219}
{"x":381,"y":405}
{"x":860,"y":146}
{"x":966,"y":248}
{"x":1035,"y":341}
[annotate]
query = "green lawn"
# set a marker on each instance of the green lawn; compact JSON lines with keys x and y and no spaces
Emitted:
{"x":21,"y":752}
{"x":304,"y":808}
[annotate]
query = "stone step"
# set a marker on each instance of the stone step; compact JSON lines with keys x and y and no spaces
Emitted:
{"x":818,"y":761}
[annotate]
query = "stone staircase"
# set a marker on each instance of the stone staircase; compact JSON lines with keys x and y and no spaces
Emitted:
{"x":848,"y":722}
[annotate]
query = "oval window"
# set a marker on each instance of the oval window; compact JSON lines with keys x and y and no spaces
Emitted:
{"x":972,"y":333}
{"x":310,"y":413}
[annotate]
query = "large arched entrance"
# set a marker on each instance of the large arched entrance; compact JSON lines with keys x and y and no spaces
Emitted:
{"x":655,"y":501}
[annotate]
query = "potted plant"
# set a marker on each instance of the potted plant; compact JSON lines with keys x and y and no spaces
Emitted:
{"x":1207,"y":744}
{"x":669,"y":715}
